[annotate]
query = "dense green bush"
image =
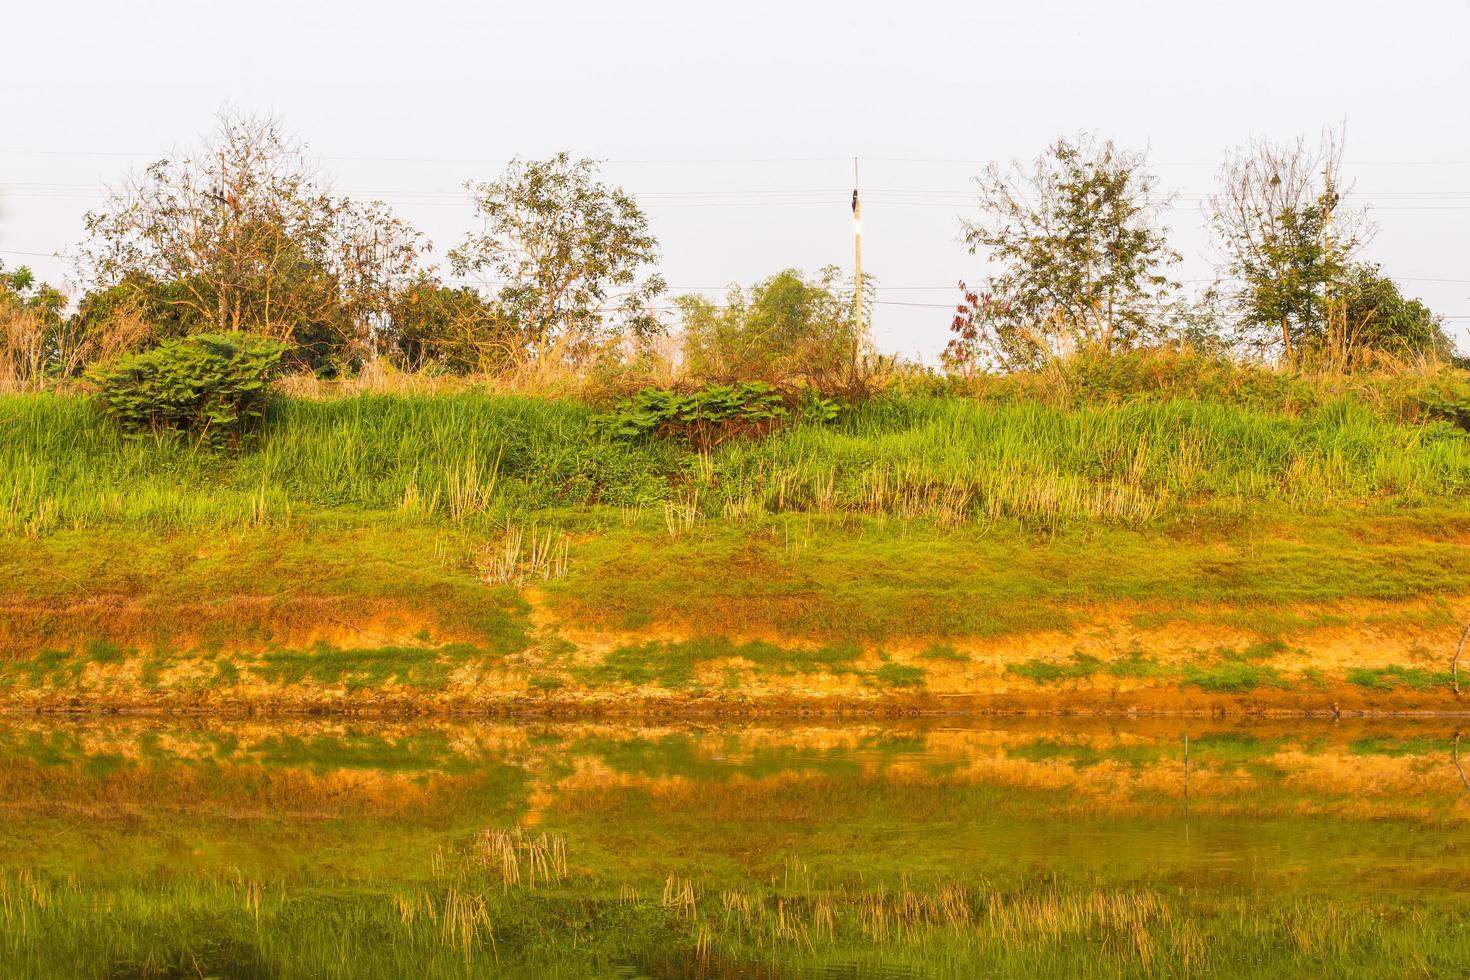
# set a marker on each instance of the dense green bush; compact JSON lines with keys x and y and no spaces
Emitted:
{"x":713,"y":414}
{"x":211,"y":386}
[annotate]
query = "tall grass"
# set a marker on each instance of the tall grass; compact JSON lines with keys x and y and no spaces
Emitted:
{"x":461,"y":458}
{"x":952,"y":458}
{"x":473,"y":459}
{"x":479,"y":927}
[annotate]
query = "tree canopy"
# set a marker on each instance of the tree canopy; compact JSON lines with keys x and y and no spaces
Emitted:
{"x":570,"y":254}
{"x":1080,"y":250}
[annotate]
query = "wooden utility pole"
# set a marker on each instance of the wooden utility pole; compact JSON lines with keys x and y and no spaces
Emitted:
{"x":1336,"y":337}
{"x":857,"y":252}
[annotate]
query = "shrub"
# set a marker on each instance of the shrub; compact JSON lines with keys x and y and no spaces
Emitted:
{"x":713,"y":414}
{"x":1449,"y":402}
{"x":212,"y":386}
{"x":785,"y":328}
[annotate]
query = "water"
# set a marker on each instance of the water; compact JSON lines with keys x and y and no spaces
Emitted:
{"x":877,"y":849}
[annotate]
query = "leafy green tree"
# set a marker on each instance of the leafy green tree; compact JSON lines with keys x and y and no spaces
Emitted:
{"x":1377,"y":319}
{"x":1286,"y":240}
{"x":783,"y":328}
{"x":1079,"y":247}
{"x":569,"y":253}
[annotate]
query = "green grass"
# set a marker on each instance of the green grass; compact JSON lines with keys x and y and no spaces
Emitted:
{"x":872,"y":580}
{"x":1230,"y":673}
{"x":898,"y":675}
{"x":1391,"y":678}
{"x":237,"y":598}
{"x":956,"y":460}
{"x":411,"y":667}
{"x":943,"y":651}
{"x":462,"y":459}
{"x":1259,"y":505}
{"x":1047,"y":671}
{"x":471,"y":459}
{"x":1232,"y":677}
{"x":673,"y":665}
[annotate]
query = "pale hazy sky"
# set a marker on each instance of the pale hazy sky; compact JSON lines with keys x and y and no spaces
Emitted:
{"x":736,"y":125}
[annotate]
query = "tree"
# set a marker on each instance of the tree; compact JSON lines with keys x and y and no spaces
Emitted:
{"x":1077,"y":238}
{"x":1377,"y":319}
{"x":983,"y":336}
{"x":1286,"y":239}
{"x":31,"y":328}
{"x":568,"y":251}
{"x":451,"y":329}
{"x":784,"y":327}
{"x":240,"y":235}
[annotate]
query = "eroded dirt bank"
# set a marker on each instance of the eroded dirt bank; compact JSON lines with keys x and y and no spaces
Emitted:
{"x":326,"y":655}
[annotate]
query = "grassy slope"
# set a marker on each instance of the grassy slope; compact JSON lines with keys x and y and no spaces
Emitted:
{"x":1158,"y":553}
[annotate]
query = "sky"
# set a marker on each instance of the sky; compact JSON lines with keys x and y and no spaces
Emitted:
{"x":736,"y":124}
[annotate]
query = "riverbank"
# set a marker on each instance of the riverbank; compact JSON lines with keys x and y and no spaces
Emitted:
{"x":1146,"y":534}
{"x":1356,"y":612}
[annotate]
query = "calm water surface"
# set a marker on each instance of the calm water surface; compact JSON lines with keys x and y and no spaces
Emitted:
{"x":868,"y":849}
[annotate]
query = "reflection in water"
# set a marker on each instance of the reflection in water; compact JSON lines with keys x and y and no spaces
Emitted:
{"x":877,"y":849}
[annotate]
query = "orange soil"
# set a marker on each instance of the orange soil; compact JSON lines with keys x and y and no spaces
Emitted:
{"x":977,"y":681}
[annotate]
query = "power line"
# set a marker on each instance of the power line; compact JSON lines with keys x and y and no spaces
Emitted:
{"x":966,"y":161}
{"x":817,"y":195}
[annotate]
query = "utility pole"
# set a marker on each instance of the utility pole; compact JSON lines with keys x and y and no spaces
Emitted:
{"x":857,"y":251}
{"x":1336,"y":332}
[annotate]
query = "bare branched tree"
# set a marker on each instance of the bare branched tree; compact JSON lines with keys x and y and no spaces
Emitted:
{"x":1286,"y":238}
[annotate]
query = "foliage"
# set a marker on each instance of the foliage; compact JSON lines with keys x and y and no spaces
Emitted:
{"x":1377,"y":320}
{"x":1081,"y":253}
{"x":213,"y":386}
{"x":1169,"y":374}
{"x":1285,"y":238}
{"x":569,"y":251}
{"x":982,"y":334}
{"x":1131,"y":463}
{"x":451,"y":329}
{"x":711,"y":415}
{"x":463,"y":459}
{"x":1448,"y":401}
{"x":1106,"y":439}
{"x":1395,"y":676}
{"x":241,"y":236}
{"x":784,"y":328}
{"x":31,"y":328}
